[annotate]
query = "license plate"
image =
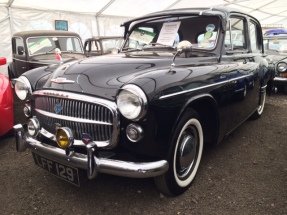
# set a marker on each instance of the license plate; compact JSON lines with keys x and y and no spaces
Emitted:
{"x":62,"y":171}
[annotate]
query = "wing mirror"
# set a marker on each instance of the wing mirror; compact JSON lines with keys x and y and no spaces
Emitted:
{"x":20,"y":50}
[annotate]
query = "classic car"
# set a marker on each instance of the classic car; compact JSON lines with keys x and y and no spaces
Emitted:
{"x":102,"y":45}
{"x":149,"y":110}
{"x":276,"y":49}
{"x":6,"y":102}
{"x":32,"y":49}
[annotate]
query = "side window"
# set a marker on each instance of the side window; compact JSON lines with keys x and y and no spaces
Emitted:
{"x":253,"y":37}
{"x":19,"y":46}
{"x":235,"y":34}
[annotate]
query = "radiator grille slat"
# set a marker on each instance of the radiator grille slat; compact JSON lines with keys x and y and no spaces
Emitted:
{"x":76,"y":109}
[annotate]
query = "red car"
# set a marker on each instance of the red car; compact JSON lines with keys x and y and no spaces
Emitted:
{"x":6,"y":102}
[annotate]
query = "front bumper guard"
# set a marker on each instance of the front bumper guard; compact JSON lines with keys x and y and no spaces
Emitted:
{"x":90,"y":162}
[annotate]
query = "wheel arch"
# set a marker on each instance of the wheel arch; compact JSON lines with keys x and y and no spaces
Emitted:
{"x":207,"y":109}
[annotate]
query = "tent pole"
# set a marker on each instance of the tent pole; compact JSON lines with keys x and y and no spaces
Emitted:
{"x":98,"y":26}
{"x":10,"y":21}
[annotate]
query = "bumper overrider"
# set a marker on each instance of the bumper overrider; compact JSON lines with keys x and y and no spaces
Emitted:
{"x":90,"y":162}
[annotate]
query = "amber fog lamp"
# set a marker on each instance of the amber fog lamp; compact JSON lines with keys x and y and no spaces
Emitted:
{"x":33,"y":127}
{"x":64,"y":137}
{"x":134,"y":132}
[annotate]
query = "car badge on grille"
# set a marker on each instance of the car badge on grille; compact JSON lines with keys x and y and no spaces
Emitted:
{"x":58,"y":107}
{"x":86,"y":138}
{"x":60,"y":80}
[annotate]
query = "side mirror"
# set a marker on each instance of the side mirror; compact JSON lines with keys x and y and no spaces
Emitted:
{"x":20,"y":50}
{"x":3,"y":61}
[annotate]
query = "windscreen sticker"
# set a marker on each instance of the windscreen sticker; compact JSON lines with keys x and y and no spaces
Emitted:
{"x":210,"y":27}
{"x":39,"y":44}
{"x":168,"y":33}
{"x":142,"y":36}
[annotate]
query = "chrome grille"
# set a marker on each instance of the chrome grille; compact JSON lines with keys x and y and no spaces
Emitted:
{"x":82,"y":114}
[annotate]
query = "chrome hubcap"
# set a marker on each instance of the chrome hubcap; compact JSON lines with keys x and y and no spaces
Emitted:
{"x":187,"y":152}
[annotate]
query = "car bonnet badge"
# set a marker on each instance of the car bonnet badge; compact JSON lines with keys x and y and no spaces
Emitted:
{"x":58,"y":107}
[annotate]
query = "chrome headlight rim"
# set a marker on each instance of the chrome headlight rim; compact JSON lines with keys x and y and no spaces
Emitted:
{"x":28,"y":88}
{"x":137,"y":91}
{"x":280,"y":65}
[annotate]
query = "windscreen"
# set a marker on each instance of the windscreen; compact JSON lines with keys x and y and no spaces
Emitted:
{"x":45,"y":45}
{"x":200,"y":31}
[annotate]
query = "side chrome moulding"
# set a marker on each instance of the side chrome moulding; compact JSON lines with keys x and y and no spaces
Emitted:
{"x":90,"y":162}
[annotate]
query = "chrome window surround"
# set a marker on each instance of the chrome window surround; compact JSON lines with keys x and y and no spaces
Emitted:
{"x":77,"y":97}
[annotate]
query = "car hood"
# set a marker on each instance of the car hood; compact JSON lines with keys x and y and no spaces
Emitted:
{"x":104,"y":75}
{"x":278,"y":57}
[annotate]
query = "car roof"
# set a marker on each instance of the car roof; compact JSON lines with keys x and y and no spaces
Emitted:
{"x":219,"y":11}
{"x":38,"y":33}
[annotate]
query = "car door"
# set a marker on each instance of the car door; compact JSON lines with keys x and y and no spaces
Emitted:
{"x":19,"y":56}
{"x":243,"y":71}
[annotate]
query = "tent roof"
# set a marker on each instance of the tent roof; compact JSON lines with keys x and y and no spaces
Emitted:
{"x":266,"y":11}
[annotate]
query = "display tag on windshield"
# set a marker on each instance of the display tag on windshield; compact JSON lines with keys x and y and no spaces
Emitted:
{"x":39,"y":44}
{"x":168,"y":33}
{"x":142,"y":36}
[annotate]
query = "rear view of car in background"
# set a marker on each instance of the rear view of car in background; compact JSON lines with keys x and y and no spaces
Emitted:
{"x":6,"y":103}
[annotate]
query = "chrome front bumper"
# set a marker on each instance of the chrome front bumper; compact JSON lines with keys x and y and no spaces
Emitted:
{"x":280,"y":79}
{"x":90,"y":162}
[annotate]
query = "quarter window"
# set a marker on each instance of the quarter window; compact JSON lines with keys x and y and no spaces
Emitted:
{"x":235,"y":37}
{"x":253,"y":37}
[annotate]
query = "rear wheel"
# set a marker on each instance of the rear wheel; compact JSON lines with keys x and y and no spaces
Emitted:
{"x":260,"y":108}
{"x":184,"y":157}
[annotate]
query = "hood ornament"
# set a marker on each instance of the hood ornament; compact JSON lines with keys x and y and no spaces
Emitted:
{"x":60,"y":80}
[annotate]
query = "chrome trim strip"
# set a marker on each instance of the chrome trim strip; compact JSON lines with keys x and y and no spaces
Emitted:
{"x":280,"y":79}
{"x":98,"y":165}
{"x":68,"y":118}
{"x":89,"y":99}
{"x":191,"y":90}
{"x":203,"y":87}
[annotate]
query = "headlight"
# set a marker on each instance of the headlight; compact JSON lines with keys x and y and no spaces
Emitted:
{"x":132,"y":102}
{"x":281,"y":67}
{"x":22,"y":87}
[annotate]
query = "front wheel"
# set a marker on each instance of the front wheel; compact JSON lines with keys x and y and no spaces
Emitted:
{"x":184,"y":157}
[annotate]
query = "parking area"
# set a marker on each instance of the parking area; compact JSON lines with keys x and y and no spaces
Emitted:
{"x":245,"y":174}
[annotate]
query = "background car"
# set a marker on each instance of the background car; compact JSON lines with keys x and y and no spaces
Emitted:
{"x":32,"y":49}
{"x":102,"y":45}
{"x":6,"y":102}
{"x":276,"y":49}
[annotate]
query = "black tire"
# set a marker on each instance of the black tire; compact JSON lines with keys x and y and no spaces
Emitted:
{"x":259,"y":110}
{"x":184,"y":156}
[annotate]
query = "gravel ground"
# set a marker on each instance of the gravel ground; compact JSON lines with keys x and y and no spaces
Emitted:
{"x":245,"y":174}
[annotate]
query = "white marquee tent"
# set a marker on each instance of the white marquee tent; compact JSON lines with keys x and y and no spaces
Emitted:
{"x":103,"y":17}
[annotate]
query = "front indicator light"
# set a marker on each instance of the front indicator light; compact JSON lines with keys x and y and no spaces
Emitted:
{"x":134,"y":132}
{"x":64,"y":137}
